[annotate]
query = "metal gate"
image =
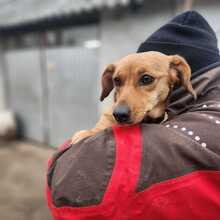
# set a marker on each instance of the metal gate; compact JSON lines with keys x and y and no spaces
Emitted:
{"x":25,"y":89}
{"x":72,"y":91}
{"x":53,"y":91}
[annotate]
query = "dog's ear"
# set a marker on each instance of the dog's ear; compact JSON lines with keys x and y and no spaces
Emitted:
{"x":107,"y":82}
{"x":181,"y":73}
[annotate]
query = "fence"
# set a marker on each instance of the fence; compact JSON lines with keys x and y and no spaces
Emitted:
{"x":52,"y":91}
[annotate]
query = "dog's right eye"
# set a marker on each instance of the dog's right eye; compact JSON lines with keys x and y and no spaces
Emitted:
{"x":146,"y":80}
{"x":117,"y":81}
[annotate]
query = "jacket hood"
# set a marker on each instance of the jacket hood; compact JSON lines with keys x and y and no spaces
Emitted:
{"x":205,"y":85}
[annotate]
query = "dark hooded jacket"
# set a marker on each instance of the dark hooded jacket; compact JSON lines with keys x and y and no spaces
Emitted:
{"x":165,"y":171}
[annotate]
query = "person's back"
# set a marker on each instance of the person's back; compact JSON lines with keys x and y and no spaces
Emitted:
{"x":152,"y":171}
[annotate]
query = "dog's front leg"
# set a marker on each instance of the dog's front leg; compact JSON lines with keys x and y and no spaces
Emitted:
{"x":104,"y":122}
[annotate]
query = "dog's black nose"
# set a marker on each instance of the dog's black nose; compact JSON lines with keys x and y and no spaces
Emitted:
{"x":121,"y":114}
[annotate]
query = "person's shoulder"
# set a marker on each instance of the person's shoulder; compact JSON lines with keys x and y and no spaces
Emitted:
{"x":79,"y":174}
{"x":186,"y":143}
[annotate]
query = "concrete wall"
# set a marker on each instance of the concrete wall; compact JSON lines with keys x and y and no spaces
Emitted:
{"x":122,"y":35}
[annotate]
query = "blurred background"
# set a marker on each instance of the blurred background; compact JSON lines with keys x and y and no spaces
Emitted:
{"x":52,"y":54}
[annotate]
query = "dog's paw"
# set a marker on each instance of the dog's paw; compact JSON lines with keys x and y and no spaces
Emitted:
{"x":81,"y":135}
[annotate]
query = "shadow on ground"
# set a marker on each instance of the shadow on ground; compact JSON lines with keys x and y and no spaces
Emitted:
{"x":23,"y":168}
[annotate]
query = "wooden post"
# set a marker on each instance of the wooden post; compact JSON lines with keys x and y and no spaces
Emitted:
{"x":188,"y":5}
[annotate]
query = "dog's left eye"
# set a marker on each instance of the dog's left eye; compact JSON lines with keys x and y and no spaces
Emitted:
{"x":146,"y":79}
{"x":117,"y":81}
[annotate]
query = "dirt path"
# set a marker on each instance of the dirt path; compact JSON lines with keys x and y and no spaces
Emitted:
{"x":22,"y":171}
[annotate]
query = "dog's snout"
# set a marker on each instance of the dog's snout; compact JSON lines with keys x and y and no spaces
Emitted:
{"x":122,"y":113}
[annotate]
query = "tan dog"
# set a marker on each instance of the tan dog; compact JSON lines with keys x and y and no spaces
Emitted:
{"x":143,"y":83}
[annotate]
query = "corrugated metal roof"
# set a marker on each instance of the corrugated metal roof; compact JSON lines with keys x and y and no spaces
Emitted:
{"x":15,"y":12}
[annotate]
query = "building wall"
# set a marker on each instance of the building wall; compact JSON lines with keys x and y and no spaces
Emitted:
{"x":122,"y":35}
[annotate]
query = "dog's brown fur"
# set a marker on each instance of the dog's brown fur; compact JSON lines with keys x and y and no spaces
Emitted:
{"x":143,"y":100}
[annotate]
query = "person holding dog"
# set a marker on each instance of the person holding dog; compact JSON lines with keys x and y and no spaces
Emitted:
{"x":163,"y":171}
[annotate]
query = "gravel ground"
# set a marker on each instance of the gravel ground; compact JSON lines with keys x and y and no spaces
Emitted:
{"x":23,"y":168}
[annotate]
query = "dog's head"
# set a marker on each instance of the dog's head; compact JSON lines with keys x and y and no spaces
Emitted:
{"x":142,"y":83}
